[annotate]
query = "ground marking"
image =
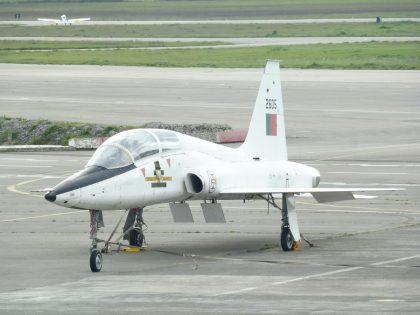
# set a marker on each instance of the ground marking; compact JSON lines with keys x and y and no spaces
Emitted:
{"x":368,"y":173}
{"x":13,"y":188}
{"x":29,"y":176}
{"x":352,"y":152}
{"x":369,"y":184}
{"x":26,"y":166}
{"x":27,"y":160}
{"x":319,"y":275}
{"x":42,"y":216}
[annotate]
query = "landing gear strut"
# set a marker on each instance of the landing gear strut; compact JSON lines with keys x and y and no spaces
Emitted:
{"x":133,"y":232}
{"x":289,"y":236}
{"x":96,"y":222}
{"x":134,"y":227}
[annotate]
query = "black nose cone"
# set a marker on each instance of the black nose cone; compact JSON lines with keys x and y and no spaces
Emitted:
{"x":51,"y":196}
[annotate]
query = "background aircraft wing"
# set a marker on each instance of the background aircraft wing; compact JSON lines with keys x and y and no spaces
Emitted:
{"x":78,"y":20}
{"x":50,"y":20}
{"x":320,"y":194}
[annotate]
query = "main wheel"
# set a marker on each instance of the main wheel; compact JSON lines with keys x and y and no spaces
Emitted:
{"x":286,"y":239}
{"x":95,"y":260}
{"x":136,"y":238}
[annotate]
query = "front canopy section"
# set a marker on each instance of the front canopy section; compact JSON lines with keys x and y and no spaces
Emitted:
{"x":130,"y":146}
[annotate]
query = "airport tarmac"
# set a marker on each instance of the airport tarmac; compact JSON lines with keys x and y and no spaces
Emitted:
{"x":374,"y":108}
{"x":358,"y":128}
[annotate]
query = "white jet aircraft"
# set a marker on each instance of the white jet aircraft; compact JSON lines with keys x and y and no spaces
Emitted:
{"x":143,"y":167}
{"x":64,"y":21}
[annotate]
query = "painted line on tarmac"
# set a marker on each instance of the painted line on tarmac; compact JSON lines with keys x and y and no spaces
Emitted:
{"x":354,"y":152}
{"x":369,"y":184}
{"x":26,"y":166}
{"x":368,"y":173}
{"x":372,"y":149}
{"x":361,"y":209}
{"x":28,"y":176}
{"x":43,"y":216}
{"x":364,"y":165}
{"x":27,"y":160}
{"x":319,"y":275}
{"x":13,"y":188}
{"x":378,"y":165}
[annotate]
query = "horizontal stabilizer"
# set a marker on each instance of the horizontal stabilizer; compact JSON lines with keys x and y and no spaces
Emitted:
{"x":322,"y":197}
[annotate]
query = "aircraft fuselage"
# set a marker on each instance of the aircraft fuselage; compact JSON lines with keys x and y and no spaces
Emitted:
{"x":178,"y":176}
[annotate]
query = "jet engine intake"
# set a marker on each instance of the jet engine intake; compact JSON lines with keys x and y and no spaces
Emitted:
{"x":194,"y":183}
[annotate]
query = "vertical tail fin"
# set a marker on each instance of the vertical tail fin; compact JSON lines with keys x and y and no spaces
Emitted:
{"x":266,"y":137}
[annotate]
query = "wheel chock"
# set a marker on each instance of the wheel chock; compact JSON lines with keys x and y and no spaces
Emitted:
{"x":131,"y":249}
{"x":296,"y":246}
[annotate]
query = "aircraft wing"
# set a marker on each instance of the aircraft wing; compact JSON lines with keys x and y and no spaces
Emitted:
{"x":50,"y":20}
{"x":78,"y":20}
{"x":320,"y":194}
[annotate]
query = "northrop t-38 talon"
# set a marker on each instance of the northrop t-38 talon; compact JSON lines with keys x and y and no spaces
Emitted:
{"x":143,"y":167}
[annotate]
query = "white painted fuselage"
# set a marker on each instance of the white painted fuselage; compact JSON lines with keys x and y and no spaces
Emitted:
{"x":197,"y":170}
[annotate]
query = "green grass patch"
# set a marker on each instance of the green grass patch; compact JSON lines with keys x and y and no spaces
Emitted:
{"x":14,"y":131}
{"x":57,"y":45}
{"x":372,"y":55}
{"x":41,"y":131}
{"x":217,"y":30}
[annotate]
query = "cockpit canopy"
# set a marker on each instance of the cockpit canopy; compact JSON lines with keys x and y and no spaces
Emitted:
{"x":129,"y":146}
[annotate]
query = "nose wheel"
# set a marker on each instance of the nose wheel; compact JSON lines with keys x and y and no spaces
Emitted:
{"x":95,"y":260}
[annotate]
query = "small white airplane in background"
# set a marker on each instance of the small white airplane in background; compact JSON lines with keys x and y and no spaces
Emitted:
{"x":143,"y":167}
{"x":64,"y":21}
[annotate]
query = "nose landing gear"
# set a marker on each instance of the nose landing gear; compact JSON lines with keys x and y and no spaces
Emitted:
{"x":132,"y":231}
{"x":96,"y":222}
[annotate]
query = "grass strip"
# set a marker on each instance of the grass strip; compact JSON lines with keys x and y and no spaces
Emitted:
{"x":57,"y":45}
{"x":372,"y":55}
{"x":217,"y":30}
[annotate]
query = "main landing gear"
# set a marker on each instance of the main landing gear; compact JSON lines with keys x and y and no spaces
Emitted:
{"x":133,"y":227}
{"x":289,"y":236}
{"x":132,"y":231}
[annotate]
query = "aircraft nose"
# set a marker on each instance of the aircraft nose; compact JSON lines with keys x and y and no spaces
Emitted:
{"x":51,"y":196}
